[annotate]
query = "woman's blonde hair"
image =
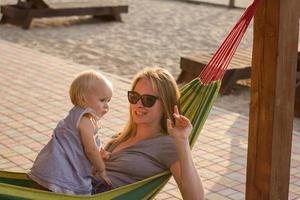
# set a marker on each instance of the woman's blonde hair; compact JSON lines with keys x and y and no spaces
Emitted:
{"x":168,"y":91}
{"x":82,"y":83}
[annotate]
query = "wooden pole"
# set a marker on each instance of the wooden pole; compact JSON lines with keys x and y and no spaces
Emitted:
{"x":272,"y":99}
{"x":231,"y":3}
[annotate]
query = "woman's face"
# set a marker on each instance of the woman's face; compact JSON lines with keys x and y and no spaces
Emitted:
{"x":143,"y":115}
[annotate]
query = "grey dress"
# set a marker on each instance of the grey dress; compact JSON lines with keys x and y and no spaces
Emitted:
{"x":137,"y":162}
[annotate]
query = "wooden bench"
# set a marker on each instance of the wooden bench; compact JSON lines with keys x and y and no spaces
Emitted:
{"x":239,"y":68}
{"x":23,"y":12}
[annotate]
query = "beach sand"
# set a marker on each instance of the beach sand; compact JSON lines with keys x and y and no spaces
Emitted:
{"x":153,"y":33}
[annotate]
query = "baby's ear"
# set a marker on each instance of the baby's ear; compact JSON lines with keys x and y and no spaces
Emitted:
{"x":82,"y":100}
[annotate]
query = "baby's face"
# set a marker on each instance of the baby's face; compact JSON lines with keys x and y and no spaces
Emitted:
{"x":99,"y":98}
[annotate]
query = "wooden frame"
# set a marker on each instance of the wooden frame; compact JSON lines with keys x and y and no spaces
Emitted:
{"x":297,"y":91}
{"x":231,"y":3}
{"x":22,"y":13}
{"x":276,"y":31}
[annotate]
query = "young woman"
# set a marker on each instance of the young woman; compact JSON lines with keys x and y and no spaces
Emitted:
{"x":155,"y":138}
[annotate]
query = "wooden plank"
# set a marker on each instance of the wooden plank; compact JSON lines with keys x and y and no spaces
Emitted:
{"x":297,"y":96}
{"x":194,"y":63}
{"x":272,"y":99}
{"x":38,"y":4}
{"x":297,"y":92}
{"x":78,"y":11}
{"x":231,"y":3}
{"x":239,"y":68}
{"x":23,"y":12}
{"x":86,"y":4}
{"x":14,"y":12}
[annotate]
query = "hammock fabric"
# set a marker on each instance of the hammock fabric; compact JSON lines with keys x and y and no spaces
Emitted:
{"x":196,"y":99}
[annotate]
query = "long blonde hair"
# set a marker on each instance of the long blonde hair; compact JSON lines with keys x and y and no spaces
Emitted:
{"x":165,"y":84}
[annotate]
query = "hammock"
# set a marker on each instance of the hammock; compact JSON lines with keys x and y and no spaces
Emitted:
{"x":196,"y":99}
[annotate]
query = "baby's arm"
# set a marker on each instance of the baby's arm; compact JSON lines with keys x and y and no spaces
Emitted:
{"x":87,"y":129}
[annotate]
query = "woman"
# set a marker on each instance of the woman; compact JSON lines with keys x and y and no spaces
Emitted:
{"x":155,"y":137}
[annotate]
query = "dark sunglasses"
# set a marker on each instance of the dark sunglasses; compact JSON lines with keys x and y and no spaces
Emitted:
{"x":147,"y":99}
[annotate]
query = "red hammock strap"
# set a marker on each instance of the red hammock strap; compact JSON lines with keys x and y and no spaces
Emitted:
{"x":218,"y":64}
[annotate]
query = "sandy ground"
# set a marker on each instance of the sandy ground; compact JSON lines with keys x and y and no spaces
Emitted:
{"x":153,"y":33}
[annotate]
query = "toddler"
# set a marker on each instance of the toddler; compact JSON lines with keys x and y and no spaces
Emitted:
{"x":67,"y":162}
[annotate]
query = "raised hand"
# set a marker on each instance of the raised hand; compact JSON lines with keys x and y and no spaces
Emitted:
{"x":182,"y":127}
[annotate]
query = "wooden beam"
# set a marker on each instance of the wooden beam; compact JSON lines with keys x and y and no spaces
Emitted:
{"x":231,"y":3}
{"x":273,"y":74}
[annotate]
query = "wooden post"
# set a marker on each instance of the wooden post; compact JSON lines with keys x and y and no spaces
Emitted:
{"x":231,"y":4}
{"x":272,"y":99}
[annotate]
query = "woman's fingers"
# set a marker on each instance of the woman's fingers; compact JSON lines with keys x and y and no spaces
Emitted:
{"x":181,"y":120}
{"x":176,"y":110}
{"x":184,"y":120}
{"x":169,"y":124}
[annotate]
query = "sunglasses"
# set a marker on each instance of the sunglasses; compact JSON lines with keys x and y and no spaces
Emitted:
{"x":147,"y":99}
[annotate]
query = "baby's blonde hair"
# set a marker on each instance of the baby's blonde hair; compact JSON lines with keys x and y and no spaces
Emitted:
{"x":82,"y":83}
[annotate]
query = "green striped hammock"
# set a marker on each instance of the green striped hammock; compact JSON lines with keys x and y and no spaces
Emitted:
{"x":197,"y":98}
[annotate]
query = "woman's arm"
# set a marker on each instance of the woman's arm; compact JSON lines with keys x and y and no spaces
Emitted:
{"x":184,"y":170}
{"x":187,"y":179}
{"x":87,"y":129}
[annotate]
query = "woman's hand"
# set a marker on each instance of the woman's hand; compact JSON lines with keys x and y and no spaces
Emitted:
{"x":184,"y":170}
{"x":182,"y":128}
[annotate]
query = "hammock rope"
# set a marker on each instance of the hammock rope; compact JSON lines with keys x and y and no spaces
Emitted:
{"x":216,"y":67}
{"x":197,"y":98}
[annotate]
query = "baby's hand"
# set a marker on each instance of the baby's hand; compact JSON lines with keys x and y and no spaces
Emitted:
{"x":94,"y":171}
{"x":105,"y":155}
{"x":104,"y":177}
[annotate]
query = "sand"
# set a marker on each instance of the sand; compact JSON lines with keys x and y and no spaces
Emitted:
{"x":153,"y":33}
